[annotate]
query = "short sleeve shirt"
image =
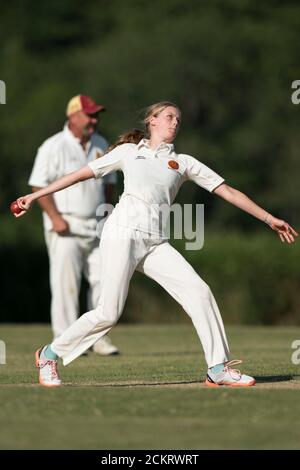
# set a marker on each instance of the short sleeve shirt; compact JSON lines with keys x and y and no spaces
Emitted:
{"x":152,"y":179}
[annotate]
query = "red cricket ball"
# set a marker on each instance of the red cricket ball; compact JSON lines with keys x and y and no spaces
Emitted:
{"x":15,"y":208}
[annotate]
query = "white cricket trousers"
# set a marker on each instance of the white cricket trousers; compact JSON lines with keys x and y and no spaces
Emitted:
{"x":69,"y":257}
{"x":122,"y":251}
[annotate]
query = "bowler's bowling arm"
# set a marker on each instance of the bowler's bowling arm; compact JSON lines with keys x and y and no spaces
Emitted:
{"x":83,"y":174}
{"x":64,"y":182}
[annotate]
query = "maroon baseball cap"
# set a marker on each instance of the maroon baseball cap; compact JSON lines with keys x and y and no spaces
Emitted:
{"x":83,"y":103}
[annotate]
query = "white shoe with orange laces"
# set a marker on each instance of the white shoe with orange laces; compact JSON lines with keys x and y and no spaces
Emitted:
{"x":229,"y":377}
{"x":48,"y":374}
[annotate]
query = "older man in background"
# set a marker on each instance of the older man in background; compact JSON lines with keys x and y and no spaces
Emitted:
{"x":70,"y":215}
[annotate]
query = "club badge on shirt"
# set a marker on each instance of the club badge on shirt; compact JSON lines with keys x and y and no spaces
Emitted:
{"x":173,"y":164}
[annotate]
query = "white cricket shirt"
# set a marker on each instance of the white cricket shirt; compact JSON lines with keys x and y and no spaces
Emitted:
{"x":152,"y":179}
{"x":62,"y":154}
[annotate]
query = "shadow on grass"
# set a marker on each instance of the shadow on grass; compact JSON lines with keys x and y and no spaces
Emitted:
{"x":190,"y":383}
{"x":165,"y":353}
{"x":261,"y":379}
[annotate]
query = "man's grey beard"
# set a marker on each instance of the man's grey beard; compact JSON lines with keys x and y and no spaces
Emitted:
{"x":86,"y":131}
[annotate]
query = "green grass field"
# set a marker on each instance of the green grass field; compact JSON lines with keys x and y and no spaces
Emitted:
{"x":151,"y":396}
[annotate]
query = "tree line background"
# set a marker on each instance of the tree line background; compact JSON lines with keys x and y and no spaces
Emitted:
{"x":229,"y":65}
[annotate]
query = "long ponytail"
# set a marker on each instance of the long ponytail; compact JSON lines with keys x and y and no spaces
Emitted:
{"x":131,"y":137}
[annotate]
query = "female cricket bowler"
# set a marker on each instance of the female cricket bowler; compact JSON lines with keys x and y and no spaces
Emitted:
{"x":132,"y":239}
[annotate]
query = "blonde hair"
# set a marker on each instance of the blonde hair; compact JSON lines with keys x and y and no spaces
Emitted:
{"x":155,"y":110}
{"x":134,"y":136}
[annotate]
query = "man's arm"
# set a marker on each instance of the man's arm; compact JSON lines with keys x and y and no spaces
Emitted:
{"x":47,"y":204}
{"x":109,"y":193}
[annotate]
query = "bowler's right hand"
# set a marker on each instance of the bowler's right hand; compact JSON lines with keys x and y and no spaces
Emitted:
{"x":24,"y":202}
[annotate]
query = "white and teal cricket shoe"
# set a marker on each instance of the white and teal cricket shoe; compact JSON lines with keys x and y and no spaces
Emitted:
{"x":48,"y":374}
{"x":229,"y":377}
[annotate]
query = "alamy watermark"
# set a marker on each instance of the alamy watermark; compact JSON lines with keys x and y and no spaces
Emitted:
{"x":296,"y":354}
{"x":2,"y":352}
{"x":2,"y":92}
{"x":156,"y":220}
{"x":296,"y":94}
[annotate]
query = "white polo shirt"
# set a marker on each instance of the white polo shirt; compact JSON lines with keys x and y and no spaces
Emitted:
{"x":152,"y":179}
{"x":62,"y":154}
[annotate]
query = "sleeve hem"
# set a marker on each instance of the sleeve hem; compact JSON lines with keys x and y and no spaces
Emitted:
{"x":90,"y":165}
{"x":217,"y":185}
{"x":37,"y":185}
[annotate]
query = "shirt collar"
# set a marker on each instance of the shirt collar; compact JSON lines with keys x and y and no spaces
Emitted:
{"x":163,"y":146}
{"x":70,"y":134}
